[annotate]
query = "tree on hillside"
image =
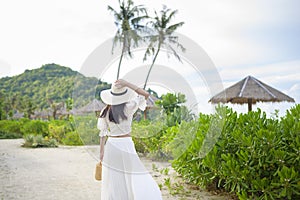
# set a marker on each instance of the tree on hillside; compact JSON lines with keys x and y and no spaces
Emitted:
{"x":26,"y":106}
{"x":8,"y":108}
{"x":69,"y":105}
{"x":8,"y":104}
{"x":30,"y":108}
{"x":14,"y":100}
{"x":55,"y":107}
{"x":2,"y":115}
{"x":163,"y":36}
{"x":128,"y":21}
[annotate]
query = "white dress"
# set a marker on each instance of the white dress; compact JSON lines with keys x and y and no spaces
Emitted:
{"x":124,"y":176}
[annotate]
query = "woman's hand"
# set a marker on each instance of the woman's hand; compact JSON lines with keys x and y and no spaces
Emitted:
{"x":121,"y":83}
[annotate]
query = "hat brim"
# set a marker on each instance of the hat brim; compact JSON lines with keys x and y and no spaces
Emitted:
{"x":108,"y":98}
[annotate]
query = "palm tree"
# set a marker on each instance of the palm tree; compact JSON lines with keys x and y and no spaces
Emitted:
{"x":163,"y":36}
{"x":128,"y":21}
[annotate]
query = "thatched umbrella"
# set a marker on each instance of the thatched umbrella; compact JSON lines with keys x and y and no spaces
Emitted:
{"x":94,"y":106}
{"x":44,"y":114}
{"x":250,"y":90}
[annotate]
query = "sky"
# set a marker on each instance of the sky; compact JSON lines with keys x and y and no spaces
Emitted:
{"x":250,"y":37}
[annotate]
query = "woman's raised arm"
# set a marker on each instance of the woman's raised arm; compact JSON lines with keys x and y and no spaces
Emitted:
{"x":140,"y":91}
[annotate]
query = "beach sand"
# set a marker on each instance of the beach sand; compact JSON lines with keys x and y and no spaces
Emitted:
{"x":67,"y":173}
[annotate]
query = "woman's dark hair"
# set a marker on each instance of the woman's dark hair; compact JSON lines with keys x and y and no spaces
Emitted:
{"x":115,"y":113}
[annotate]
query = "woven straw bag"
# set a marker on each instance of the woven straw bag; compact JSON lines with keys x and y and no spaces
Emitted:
{"x":98,"y":172}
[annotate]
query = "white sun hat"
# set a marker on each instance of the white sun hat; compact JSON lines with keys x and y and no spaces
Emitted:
{"x":116,"y":95}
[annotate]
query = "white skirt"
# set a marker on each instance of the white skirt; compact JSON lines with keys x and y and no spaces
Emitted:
{"x":124,"y":176}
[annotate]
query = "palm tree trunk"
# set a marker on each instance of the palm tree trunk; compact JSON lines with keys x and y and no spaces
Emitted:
{"x":119,"y":65}
{"x":153,"y":61}
{"x":120,"y":61}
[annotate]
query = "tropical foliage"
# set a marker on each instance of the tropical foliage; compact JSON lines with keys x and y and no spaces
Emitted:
{"x":64,"y":132}
{"x":128,"y":20}
{"x":135,"y":26}
{"x":162,"y":36}
{"x":153,"y":136}
{"x":174,"y":110}
{"x":255,"y":157}
{"x":11,"y":129}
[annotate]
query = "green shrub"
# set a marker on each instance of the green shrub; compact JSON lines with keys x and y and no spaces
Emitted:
{"x":38,"y":141}
{"x":147,"y":136}
{"x":72,"y":138}
{"x":255,"y":157}
{"x":29,"y":140}
{"x":52,"y":143}
{"x":56,"y":131}
{"x":156,"y":138}
{"x":86,"y":128}
{"x":10,"y":129}
{"x":35,"y":127}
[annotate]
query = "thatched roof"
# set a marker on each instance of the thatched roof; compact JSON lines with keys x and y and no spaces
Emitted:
{"x":250,"y":88}
{"x":41,"y":114}
{"x":63,"y":111}
{"x":93,"y":106}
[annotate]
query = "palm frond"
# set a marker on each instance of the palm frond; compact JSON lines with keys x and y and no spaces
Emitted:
{"x":137,"y":20}
{"x":174,"y":40}
{"x":174,"y":53}
{"x":117,"y":38}
{"x":150,"y":49}
{"x":139,"y":9}
{"x":172,"y":14}
{"x":171,"y":29}
{"x":116,"y":15}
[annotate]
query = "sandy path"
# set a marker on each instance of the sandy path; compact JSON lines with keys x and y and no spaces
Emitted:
{"x":61,"y":173}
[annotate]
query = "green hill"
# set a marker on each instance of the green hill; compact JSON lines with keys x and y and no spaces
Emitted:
{"x":50,"y":83}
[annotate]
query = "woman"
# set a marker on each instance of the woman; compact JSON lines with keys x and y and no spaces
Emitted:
{"x":124,"y":177}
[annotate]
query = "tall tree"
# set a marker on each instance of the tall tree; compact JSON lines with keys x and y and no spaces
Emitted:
{"x":26,"y":106}
{"x":30,"y":108}
{"x":2,"y":98}
{"x":55,"y":107}
{"x":69,"y":106}
{"x":163,"y":36}
{"x":129,"y":27}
